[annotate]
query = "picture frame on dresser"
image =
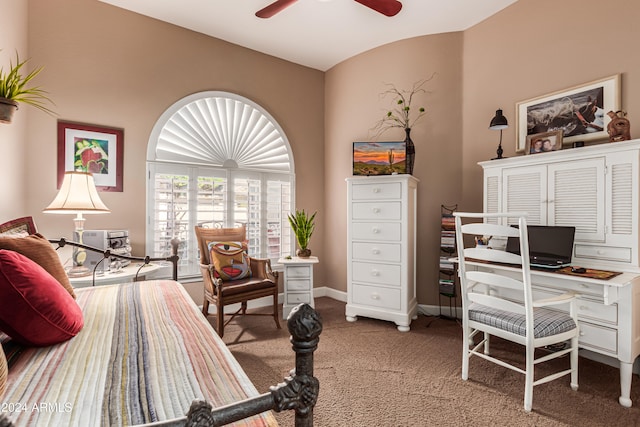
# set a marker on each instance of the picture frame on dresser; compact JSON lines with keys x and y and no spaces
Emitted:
{"x":580,"y":112}
{"x":543,"y":142}
{"x":379,"y":158}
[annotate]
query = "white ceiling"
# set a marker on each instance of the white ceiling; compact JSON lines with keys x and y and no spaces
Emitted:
{"x":315,"y":33}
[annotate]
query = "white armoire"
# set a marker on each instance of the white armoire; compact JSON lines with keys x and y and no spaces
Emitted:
{"x":381,"y":248}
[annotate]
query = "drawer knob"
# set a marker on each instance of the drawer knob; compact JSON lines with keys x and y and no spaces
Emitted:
{"x":582,"y":334}
{"x":376,"y":190}
{"x":375,"y":251}
{"x":375,"y":230}
{"x":583,"y":308}
{"x":601,"y":252}
{"x":375,"y":296}
{"x":376,"y":210}
{"x":375,"y":273}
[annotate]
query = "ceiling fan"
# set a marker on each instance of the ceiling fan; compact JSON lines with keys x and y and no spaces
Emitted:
{"x":385,"y":7}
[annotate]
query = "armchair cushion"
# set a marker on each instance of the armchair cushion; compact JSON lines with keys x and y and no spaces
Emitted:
{"x":230,"y":260}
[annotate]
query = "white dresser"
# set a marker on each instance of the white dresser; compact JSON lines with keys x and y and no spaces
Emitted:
{"x":596,"y":189}
{"x":298,"y":282}
{"x":381,"y":250}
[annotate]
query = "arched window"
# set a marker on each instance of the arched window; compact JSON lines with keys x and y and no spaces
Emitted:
{"x":217,"y":159}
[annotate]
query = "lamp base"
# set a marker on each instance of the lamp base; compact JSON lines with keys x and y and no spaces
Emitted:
{"x":78,"y":271}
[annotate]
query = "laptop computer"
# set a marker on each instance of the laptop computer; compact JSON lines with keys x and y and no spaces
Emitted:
{"x":549,"y":246}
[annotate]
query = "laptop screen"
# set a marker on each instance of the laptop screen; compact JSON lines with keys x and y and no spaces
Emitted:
{"x":549,"y":246}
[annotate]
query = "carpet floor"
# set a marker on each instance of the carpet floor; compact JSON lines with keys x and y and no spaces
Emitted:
{"x":373,"y":375}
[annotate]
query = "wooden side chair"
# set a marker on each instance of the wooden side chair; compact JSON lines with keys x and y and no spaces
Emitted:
{"x":503,"y":305}
{"x":231,"y":276}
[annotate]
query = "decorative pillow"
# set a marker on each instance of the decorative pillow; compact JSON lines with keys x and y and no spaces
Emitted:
{"x":39,"y":250}
{"x":230,"y":260}
{"x":34,"y":309}
{"x":4,"y":371}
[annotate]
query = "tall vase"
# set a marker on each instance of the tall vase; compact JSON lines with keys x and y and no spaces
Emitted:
{"x":411,"y":151}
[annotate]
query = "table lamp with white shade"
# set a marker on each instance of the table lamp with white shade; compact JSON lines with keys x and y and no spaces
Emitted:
{"x":78,"y":195}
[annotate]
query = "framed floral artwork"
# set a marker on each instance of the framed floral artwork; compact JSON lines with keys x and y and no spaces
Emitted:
{"x":91,"y":148}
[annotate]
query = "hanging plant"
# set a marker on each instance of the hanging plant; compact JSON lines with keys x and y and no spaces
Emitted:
{"x":15,"y":89}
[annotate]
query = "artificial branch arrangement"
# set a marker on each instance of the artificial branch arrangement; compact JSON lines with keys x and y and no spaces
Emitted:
{"x":402,"y":116}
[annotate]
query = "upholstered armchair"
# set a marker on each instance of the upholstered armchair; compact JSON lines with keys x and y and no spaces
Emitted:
{"x":230,"y":276}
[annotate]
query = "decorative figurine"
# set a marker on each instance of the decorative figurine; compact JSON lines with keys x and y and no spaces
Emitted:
{"x":619,"y":127}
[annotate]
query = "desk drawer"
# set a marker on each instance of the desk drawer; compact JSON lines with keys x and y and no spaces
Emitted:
{"x":377,"y":191}
{"x":597,"y":311}
{"x":389,"y":252}
{"x":377,"y":210}
{"x":603,"y":253}
{"x":384,"y":274}
{"x":597,"y":338}
{"x":376,"y":297}
{"x":384,"y":232}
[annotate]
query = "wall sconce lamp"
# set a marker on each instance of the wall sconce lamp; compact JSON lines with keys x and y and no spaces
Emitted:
{"x":499,"y":122}
{"x":78,"y":195}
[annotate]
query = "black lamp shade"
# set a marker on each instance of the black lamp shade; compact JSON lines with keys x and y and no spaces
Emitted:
{"x":499,"y":122}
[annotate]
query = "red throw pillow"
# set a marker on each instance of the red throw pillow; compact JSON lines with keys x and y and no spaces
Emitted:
{"x":34,"y":309}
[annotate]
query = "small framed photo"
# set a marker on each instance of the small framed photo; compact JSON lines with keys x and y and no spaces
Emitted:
{"x":91,"y":148}
{"x":544,"y":142}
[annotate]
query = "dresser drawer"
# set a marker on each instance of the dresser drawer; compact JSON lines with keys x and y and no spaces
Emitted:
{"x":303,"y":271}
{"x":295,"y":298}
{"x":383,"y":274}
{"x":376,"y":191}
{"x":377,"y":210}
{"x":598,"y":338}
{"x":298,"y":284}
{"x":386,"y":232}
{"x":389,"y":252}
{"x":603,"y":253}
{"x":597,"y":311}
{"x":376,"y":297}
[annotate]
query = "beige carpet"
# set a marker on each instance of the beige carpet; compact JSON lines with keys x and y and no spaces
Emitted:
{"x":372,"y":375}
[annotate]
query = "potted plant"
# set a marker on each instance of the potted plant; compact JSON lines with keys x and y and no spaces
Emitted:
{"x":303,"y":226}
{"x":14,"y":89}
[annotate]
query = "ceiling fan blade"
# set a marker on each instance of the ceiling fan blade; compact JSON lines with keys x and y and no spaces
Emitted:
{"x":273,"y":8}
{"x":385,"y":7}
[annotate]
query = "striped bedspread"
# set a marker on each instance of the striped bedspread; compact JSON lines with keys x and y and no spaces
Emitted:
{"x":144,"y":354}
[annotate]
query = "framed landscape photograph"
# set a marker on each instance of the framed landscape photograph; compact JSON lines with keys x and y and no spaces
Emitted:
{"x":579,"y":112}
{"x":544,"y":142}
{"x":91,"y":148}
{"x":379,"y":158}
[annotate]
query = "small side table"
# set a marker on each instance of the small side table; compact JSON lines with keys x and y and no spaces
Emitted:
{"x":298,"y":282}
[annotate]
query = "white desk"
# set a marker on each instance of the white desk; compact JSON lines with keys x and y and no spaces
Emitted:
{"x":124,"y":275}
{"x":608,"y":313}
{"x":298,"y":282}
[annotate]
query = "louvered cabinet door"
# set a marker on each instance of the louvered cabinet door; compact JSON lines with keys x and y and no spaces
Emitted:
{"x":576,"y":197}
{"x":524,"y":189}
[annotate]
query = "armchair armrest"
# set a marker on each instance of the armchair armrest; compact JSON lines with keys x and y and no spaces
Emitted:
{"x":210,"y":281}
{"x":261,"y":269}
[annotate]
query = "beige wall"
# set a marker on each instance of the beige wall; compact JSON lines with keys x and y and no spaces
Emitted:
{"x":13,"y":37}
{"x":353,"y":106}
{"x":107,"y":66}
{"x":525,"y":51}
{"x":111,"y":67}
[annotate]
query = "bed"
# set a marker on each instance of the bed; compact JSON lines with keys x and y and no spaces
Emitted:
{"x":147,"y":356}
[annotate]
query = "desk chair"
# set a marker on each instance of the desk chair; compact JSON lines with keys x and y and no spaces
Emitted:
{"x":253,"y":279}
{"x":494,"y":304}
